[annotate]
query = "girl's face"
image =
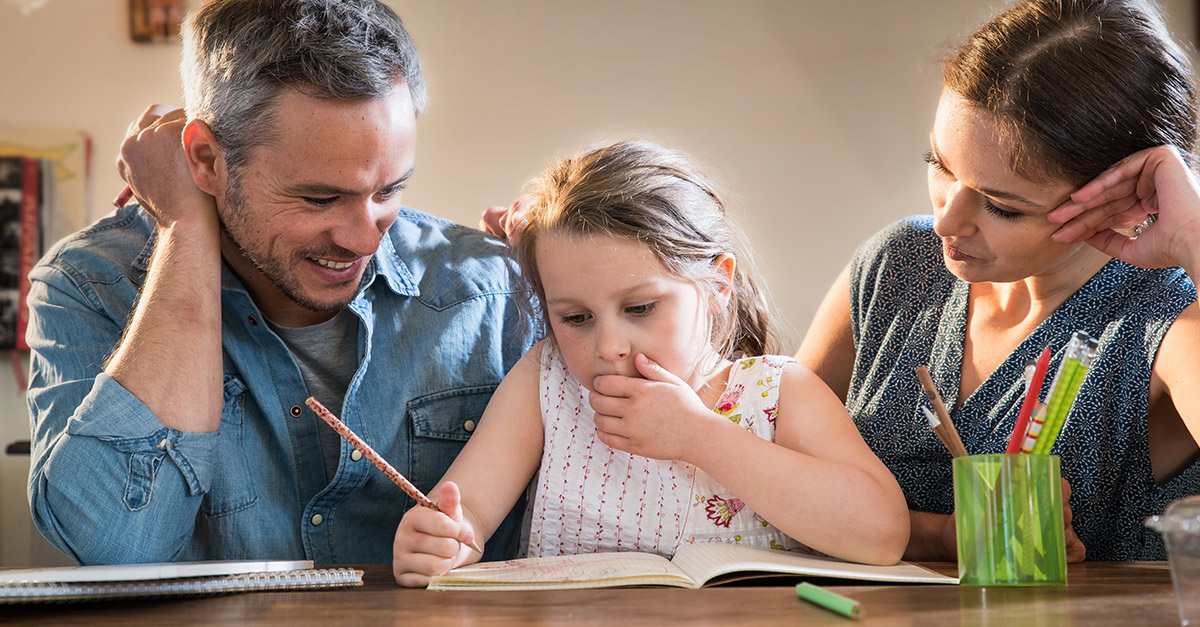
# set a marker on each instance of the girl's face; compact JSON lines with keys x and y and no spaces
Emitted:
{"x":992,"y":222}
{"x":608,"y":299}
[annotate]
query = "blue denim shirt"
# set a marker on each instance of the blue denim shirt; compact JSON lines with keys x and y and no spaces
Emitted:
{"x":110,"y":484}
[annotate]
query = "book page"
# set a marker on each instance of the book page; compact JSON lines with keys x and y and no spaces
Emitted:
{"x":706,"y":561}
{"x":593,"y":570}
{"x":145,"y":572}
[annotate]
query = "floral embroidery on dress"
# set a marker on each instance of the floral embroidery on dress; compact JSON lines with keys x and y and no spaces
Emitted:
{"x":729,"y":402}
{"x":721,"y":511}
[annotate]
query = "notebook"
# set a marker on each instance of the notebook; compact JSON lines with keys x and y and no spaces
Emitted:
{"x":93,"y":583}
{"x":694,"y":566}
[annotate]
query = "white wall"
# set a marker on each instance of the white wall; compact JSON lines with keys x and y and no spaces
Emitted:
{"x":813,"y":113}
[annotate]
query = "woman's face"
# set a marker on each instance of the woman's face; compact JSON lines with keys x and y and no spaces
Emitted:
{"x":992,"y":222}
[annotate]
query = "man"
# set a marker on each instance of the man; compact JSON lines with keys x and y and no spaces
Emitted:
{"x":174,"y":343}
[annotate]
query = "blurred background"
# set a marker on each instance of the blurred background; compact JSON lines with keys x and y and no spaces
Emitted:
{"x":812,"y":114}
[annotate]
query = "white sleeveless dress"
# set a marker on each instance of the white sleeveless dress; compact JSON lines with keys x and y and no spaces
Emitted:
{"x":591,"y":498}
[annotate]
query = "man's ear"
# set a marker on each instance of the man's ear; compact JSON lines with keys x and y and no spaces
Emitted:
{"x":724,"y":265}
{"x":205,"y":158}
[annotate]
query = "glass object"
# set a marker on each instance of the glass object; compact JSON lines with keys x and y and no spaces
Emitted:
{"x":1009,"y":520}
{"x":1180,"y":528}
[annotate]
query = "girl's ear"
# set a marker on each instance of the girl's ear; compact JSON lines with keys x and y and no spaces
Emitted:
{"x":205,"y":158}
{"x":724,"y":265}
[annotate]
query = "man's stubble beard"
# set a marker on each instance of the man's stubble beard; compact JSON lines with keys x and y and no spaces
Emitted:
{"x":237,"y":213}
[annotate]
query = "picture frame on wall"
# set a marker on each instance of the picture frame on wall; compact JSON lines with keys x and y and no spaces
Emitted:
{"x":155,"y":20}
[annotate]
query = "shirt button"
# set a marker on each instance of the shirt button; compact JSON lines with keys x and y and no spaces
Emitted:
{"x":253,"y":320}
{"x":317,"y":519}
{"x":469,"y":425}
{"x":356,"y":455}
{"x":296,"y":411}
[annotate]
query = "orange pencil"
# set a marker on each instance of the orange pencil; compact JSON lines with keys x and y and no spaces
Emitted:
{"x":379,"y":461}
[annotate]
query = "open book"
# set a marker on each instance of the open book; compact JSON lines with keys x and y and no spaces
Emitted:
{"x":82,"y":583}
{"x":694,"y":566}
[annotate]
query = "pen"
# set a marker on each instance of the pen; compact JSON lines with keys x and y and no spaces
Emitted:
{"x":830,"y":600}
{"x":956,"y":446}
{"x":379,"y":461}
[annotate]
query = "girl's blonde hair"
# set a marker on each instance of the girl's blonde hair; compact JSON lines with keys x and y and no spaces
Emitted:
{"x":639,"y":191}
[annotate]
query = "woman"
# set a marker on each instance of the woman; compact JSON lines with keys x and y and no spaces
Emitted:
{"x":1041,"y":100}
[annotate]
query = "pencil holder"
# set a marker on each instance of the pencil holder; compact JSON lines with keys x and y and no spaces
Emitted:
{"x":1009,"y":520}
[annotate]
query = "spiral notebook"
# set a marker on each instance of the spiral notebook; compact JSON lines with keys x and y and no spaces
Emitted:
{"x":175,"y":579}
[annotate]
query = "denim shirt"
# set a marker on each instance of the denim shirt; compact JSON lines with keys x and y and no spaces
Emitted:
{"x":438,"y":329}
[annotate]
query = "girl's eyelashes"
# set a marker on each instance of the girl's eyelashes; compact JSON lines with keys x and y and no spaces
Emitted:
{"x":644,"y":309}
{"x":574,"y":320}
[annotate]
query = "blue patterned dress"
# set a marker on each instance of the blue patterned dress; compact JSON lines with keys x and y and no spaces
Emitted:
{"x":907,"y":309}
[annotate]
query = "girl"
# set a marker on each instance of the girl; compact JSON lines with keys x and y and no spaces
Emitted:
{"x":650,"y":415}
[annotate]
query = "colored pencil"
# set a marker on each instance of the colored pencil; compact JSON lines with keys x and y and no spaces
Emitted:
{"x":956,"y":446}
{"x":379,"y":461}
{"x":1058,"y":417}
{"x":1031,"y":401}
{"x":938,"y":429}
{"x":830,"y":600}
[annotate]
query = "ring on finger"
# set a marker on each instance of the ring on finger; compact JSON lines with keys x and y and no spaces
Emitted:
{"x":1141,"y":227}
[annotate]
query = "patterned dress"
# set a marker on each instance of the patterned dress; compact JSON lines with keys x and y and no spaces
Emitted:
{"x":908,"y":309}
{"x":591,"y":498}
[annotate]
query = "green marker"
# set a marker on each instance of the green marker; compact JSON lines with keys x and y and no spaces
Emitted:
{"x":831,"y":601}
{"x":1081,"y":362}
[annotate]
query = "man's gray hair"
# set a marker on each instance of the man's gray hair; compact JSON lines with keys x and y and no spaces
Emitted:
{"x":238,"y":55}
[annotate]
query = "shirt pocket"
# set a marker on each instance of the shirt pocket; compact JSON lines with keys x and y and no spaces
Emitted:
{"x":441,"y":423}
{"x":232,"y":488}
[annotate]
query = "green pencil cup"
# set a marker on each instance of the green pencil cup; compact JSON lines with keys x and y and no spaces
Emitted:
{"x":1009,"y":520}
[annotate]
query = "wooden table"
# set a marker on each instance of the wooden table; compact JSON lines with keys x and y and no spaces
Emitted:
{"x":1099,"y":593}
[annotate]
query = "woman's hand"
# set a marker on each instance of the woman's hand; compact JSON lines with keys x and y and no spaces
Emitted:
{"x":429,"y":542}
{"x":660,"y":416}
{"x":1155,"y":182}
{"x":152,"y":161}
{"x":948,"y":538}
{"x":1075,"y":549}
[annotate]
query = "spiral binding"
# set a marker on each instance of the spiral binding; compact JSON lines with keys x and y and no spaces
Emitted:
{"x":60,"y":592}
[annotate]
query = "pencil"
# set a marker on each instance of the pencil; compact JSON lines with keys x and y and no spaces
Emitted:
{"x":1056,"y":420}
{"x":123,"y":197}
{"x":956,"y":445}
{"x":938,"y":429}
{"x":1031,"y":401}
{"x":379,"y":461}
{"x":830,"y":600}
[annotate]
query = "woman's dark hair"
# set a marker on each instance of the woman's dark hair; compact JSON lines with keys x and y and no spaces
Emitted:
{"x":1077,"y":85}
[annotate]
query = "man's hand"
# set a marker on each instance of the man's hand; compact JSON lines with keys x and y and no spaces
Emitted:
{"x":152,"y":161}
{"x":506,"y":222}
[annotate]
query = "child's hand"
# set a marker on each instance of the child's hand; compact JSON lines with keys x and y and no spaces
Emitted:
{"x":430,"y":543}
{"x":659,"y":417}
